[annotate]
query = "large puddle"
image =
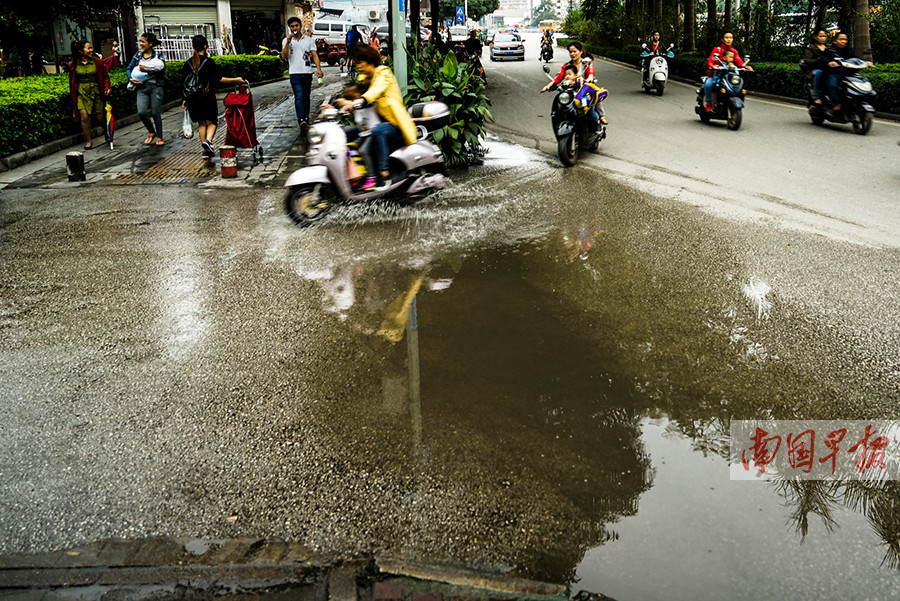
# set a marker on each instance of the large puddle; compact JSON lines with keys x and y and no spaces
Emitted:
{"x":583,"y":376}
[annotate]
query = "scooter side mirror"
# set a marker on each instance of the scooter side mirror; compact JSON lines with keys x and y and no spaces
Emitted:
{"x":747,"y":59}
{"x":644,"y":46}
{"x":587,"y":60}
{"x":670,"y":46}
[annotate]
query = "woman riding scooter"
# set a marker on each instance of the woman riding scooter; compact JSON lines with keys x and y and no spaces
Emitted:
{"x":585,"y":71}
{"x":384,"y":93}
{"x":713,"y":63}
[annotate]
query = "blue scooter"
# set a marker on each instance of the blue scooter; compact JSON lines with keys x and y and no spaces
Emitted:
{"x":727,"y":97}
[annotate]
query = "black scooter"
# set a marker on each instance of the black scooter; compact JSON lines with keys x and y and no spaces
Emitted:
{"x":546,"y":50}
{"x":856,"y":99}
{"x":573,"y":128}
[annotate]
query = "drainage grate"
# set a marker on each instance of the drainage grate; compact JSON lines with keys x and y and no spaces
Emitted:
{"x":181,"y":166}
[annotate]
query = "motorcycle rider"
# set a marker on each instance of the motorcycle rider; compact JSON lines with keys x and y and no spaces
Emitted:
{"x":838,"y":50}
{"x":652,"y":48}
{"x":814,"y":63}
{"x":546,"y":38}
{"x":383,"y":92}
{"x":712,"y":66}
{"x":585,"y":69}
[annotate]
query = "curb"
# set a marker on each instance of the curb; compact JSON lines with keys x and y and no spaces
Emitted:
{"x":14,"y":161}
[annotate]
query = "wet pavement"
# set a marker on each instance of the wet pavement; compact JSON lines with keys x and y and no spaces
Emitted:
{"x":531,"y":373}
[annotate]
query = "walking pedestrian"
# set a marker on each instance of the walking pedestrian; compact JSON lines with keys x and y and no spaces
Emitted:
{"x":150,"y":87}
{"x":299,"y":50}
{"x":88,"y":87}
{"x":201,"y":76}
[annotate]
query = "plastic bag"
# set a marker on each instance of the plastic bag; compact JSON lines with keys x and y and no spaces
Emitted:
{"x":186,"y":129}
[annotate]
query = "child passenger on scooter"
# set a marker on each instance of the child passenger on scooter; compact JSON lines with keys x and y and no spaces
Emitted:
{"x":364,"y":120}
{"x":589,"y":96}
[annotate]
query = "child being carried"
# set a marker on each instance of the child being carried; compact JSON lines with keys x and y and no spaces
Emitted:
{"x":152,"y":65}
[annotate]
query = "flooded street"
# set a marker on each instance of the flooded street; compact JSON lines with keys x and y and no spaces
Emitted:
{"x":532,"y":373}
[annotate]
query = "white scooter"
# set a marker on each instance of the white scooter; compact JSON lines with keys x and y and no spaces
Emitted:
{"x":657,"y":72}
{"x":416,"y":170}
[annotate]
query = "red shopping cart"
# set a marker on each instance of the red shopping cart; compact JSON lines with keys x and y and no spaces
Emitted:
{"x":241,"y":121}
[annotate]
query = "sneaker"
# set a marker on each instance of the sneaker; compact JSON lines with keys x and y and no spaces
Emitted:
{"x":304,"y":124}
{"x":208,"y":150}
{"x":384,"y":184}
{"x":708,"y":107}
{"x":369,"y":184}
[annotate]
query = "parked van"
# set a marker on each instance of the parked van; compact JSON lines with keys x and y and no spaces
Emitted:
{"x":335,"y":32}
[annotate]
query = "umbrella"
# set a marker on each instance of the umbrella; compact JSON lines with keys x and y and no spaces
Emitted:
{"x":110,"y":121}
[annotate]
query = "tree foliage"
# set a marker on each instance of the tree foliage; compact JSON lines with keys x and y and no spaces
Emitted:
{"x":26,"y":27}
{"x":760,"y":26}
{"x":544,"y":11}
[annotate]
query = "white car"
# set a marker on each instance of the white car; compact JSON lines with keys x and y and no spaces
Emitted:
{"x":507,"y":45}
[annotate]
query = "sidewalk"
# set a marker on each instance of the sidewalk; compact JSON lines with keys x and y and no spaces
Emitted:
{"x":179,"y":161}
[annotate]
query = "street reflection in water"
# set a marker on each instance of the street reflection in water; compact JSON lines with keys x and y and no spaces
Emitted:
{"x":572,"y":374}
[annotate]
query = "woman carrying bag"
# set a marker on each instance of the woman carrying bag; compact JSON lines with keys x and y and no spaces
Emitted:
{"x":89,"y":86}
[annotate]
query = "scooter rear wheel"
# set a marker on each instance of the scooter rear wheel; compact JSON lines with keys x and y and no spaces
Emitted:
{"x":308,"y":203}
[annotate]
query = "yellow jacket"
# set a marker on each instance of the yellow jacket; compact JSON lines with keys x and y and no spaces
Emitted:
{"x":384,"y":93}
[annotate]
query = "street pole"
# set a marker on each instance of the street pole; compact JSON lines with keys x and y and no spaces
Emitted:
{"x":398,"y":23}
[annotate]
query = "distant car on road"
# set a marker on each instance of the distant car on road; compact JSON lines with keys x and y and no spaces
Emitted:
{"x":507,"y":45}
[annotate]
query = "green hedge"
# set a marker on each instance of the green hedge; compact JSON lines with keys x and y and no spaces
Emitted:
{"x":781,"y":79}
{"x":36,"y":110}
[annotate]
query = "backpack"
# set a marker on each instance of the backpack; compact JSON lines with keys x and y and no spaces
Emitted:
{"x":192,"y":86}
{"x":589,"y":95}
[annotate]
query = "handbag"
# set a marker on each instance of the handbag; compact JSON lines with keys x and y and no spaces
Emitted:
{"x":186,"y":129}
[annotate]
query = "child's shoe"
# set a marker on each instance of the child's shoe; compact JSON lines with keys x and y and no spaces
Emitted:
{"x":708,"y":107}
{"x":369,"y":184}
{"x":604,"y":121}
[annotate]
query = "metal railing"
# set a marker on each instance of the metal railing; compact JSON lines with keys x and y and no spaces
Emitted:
{"x":182,"y":49}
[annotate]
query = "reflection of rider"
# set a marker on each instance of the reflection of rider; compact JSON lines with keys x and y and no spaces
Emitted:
{"x":384,"y":93}
{"x":713,"y":64}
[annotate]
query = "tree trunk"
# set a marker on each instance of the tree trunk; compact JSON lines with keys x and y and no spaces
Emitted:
{"x":712,"y":27}
{"x":435,"y":19}
{"x":657,"y":12}
{"x":690,"y":25}
{"x":821,"y":13}
{"x":728,"y":10}
{"x":861,"y":39}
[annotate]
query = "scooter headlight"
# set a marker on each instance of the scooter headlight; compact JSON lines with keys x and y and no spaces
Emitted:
{"x":863,"y":86}
{"x":314,"y":136}
{"x":734,"y":78}
{"x":565,"y":98}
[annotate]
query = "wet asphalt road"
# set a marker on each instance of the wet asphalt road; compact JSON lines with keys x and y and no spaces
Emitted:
{"x":493,"y":376}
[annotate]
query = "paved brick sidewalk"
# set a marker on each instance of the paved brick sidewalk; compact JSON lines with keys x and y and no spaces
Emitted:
{"x":179,"y":161}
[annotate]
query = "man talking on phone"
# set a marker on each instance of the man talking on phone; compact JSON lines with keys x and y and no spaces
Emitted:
{"x":298,"y":49}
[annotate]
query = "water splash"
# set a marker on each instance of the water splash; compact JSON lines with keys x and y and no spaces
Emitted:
{"x":756,"y":292}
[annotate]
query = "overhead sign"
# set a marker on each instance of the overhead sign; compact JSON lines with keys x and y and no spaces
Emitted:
{"x":403,"y":6}
{"x":460,"y":15}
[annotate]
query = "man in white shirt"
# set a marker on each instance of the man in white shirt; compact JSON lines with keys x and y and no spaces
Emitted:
{"x":298,"y":49}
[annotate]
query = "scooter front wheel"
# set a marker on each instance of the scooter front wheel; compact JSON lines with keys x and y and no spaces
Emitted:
{"x":308,"y":203}
{"x":567,"y":149}
{"x":734,"y":118}
{"x":660,"y":87}
{"x":863,"y":122}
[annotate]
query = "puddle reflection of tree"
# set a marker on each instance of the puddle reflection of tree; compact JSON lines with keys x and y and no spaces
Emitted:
{"x":502,"y":404}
